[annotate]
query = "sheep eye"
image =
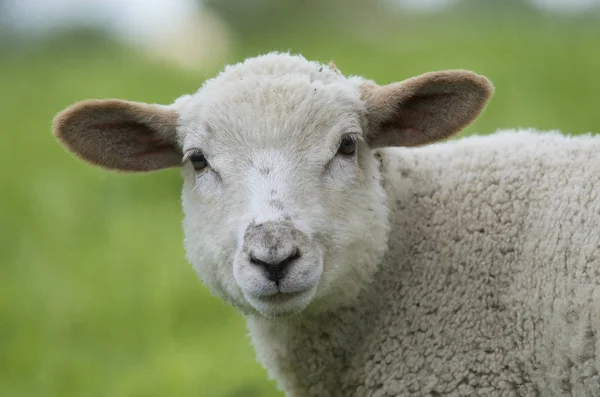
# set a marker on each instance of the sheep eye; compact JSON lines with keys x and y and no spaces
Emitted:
{"x":198,"y":161}
{"x":347,"y":146}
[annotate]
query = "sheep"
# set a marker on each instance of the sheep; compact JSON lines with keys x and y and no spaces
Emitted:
{"x":369,"y":254}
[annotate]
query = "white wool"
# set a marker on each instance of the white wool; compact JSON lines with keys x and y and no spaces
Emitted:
{"x":468,"y":267}
{"x":494,"y":241}
{"x":491,"y":285}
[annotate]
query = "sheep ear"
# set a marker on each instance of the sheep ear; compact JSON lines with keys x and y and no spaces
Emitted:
{"x":120,"y":135}
{"x":425,"y":108}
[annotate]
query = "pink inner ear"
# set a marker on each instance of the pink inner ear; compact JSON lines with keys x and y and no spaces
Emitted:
{"x":154,"y":142}
{"x":423,"y":119}
{"x":139,"y":136}
{"x":424,"y":109}
{"x":116,"y":124}
{"x":120,"y":135}
{"x":155,"y":146}
{"x":405,"y":124}
{"x":406,"y":118}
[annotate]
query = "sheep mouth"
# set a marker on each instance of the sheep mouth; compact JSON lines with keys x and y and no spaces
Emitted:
{"x":281,"y":304}
{"x":281,"y":297}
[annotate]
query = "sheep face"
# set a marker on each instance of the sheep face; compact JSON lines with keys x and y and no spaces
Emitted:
{"x":283,"y":206}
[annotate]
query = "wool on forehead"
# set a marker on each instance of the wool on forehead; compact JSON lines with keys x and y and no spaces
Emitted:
{"x":273,"y":96}
{"x":277,"y":64}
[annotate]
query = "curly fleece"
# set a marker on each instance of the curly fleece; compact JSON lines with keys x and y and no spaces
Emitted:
{"x":490,"y":287}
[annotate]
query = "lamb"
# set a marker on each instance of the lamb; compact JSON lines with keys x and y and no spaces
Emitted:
{"x":369,"y":255}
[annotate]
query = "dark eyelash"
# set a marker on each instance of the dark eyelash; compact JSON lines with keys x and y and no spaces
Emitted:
{"x":190,"y":153}
{"x":354,"y":137}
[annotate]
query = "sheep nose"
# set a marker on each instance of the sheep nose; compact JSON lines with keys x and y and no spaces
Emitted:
{"x":274,"y":265}
{"x":272,"y":246}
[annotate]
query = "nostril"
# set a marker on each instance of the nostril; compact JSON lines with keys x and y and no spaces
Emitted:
{"x":257,"y":262}
{"x":284,"y":263}
{"x":275,"y":268}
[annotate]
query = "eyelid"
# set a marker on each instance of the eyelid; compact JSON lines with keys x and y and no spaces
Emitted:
{"x":354,"y":136}
{"x":191,"y":152}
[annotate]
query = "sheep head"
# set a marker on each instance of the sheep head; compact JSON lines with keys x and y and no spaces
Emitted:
{"x":283,"y":206}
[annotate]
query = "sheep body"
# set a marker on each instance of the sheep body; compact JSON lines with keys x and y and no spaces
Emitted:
{"x":470,"y":267}
{"x":490,"y":287}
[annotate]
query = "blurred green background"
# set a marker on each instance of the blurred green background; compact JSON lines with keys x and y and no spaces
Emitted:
{"x":96,"y":298}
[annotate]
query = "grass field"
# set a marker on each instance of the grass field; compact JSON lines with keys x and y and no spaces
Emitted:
{"x":96,"y":298}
